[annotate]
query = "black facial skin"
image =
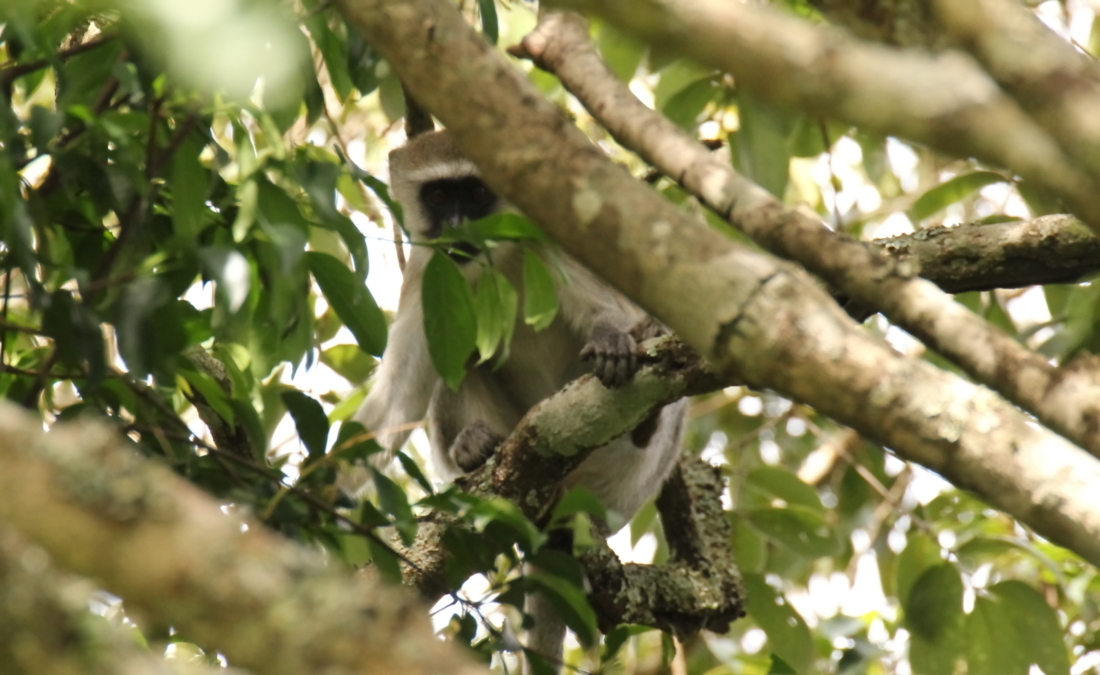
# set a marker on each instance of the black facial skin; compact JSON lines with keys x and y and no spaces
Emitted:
{"x":449,"y":202}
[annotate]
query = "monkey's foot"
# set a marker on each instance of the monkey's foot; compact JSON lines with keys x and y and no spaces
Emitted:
{"x":474,"y":445}
{"x":613,"y":356}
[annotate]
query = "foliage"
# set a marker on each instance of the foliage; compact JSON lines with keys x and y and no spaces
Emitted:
{"x":147,"y":221}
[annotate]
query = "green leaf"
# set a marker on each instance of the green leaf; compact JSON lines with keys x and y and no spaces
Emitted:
{"x":496,"y":304}
{"x":450,"y":319}
{"x":414,"y":472}
{"x":800,"y":529}
{"x":334,"y":52}
{"x":393,"y":501}
{"x":349,"y":361}
{"x":502,"y":226}
{"x":310,"y":420}
{"x":571,"y":604}
{"x":759,"y":148}
{"x":387,"y":562}
{"x":780,"y":667}
{"x":212,"y":393}
{"x":782,"y":484}
{"x":1034,"y":626}
{"x":578,"y":499}
{"x":921,"y":553}
{"x":501,"y":511}
{"x":788,"y":636}
{"x":614,"y":641}
{"x":684,"y":108}
{"x":489,"y":26}
{"x":540,"y":294}
{"x":621,"y":52}
{"x":934,"y":617}
{"x":351,"y":301}
{"x":952,"y":191}
{"x":189,"y":184}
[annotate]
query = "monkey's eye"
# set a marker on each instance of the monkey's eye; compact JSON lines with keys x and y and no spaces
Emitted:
{"x":436,"y":197}
{"x":481,"y":194}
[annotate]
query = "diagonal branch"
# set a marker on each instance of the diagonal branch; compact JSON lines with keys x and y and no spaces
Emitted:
{"x":1066,"y":400}
{"x":1056,"y":84}
{"x":749,"y":314}
{"x":945,"y":101}
{"x":172,"y":555}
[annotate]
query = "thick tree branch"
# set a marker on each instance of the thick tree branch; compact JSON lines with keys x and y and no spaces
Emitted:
{"x":746,"y":312}
{"x":1054,"y":82}
{"x":1065,"y":400}
{"x":1046,"y":250}
{"x":944,"y":101}
{"x":132,"y":525}
{"x":700,"y":588}
{"x":45,"y":626}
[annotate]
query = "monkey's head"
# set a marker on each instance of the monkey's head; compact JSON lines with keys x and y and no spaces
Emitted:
{"x":439,"y":189}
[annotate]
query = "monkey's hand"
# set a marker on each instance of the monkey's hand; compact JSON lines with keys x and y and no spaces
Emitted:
{"x":474,"y":445}
{"x":612,"y":353}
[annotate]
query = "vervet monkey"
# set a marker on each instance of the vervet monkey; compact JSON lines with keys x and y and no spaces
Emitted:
{"x":439,"y":188}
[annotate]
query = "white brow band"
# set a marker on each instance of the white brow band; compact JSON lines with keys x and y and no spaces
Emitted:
{"x":459,"y":168}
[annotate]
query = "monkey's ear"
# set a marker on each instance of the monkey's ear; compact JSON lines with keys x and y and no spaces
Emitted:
{"x":417,"y":119}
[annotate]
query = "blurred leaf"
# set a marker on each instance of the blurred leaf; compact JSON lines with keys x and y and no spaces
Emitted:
{"x":571,"y":604}
{"x":921,"y":554}
{"x":759,"y":147}
{"x":782,"y":484}
{"x":621,"y":52}
{"x":951,"y":192}
{"x":684,"y":108}
{"x":349,"y":361}
{"x":934,"y":616}
{"x":1012,"y":628}
{"x":393,"y":501}
{"x":351,"y":301}
{"x":800,"y":529}
{"x":310,"y":420}
{"x":414,"y":472}
{"x":788,"y":636}
{"x":334,"y":52}
{"x":540,"y":294}
{"x":488,"y":11}
{"x":188,"y":192}
{"x":450,"y":318}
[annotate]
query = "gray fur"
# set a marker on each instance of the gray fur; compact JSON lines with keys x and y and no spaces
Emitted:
{"x":592,"y":319}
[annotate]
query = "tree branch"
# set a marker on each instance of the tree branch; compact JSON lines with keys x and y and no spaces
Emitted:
{"x":944,"y":101}
{"x":132,"y":525}
{"x":1046,"y":250}
{"x":1058,"y":85}
{"x":1066,"y":400}
{"x":45,"y":626}
{"x":745,"y":311}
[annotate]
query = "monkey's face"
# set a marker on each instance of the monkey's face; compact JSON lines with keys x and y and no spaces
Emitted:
{"x":449,"y":202}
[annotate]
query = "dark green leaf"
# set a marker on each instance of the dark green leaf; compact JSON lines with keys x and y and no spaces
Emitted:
{"x":685,"y":107}
{"x":334,"y":53}
{"x":540,"y":294}
{"x":387,"y":562}
{"x":489,"y":27}
{"x":921,"y":554}
{"x":934,"y":617}
{"x":309,"y":417}
{"x":393,"y":501}
{"x":414,"y":472}
{"x":351,"y":301}
{"x":571,"y":604}
{"x":349,"y":361}
{"x":189,"y":182}
{"x":450,"y":320}
{"x":621,"y":52}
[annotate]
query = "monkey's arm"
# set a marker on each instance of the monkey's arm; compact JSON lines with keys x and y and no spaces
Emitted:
{"x":603,"y":318}
{"x":402,"y":385}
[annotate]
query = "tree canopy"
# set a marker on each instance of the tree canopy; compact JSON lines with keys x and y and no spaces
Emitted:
{"x":872,"y":227}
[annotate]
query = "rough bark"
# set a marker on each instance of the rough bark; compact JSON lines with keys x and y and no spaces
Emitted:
{"x":944,"y":100}
{"x":1066,"y":400}
{"x":170,"y":552}
{"x":1057,"y":84}
{"x":742,"y":310}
